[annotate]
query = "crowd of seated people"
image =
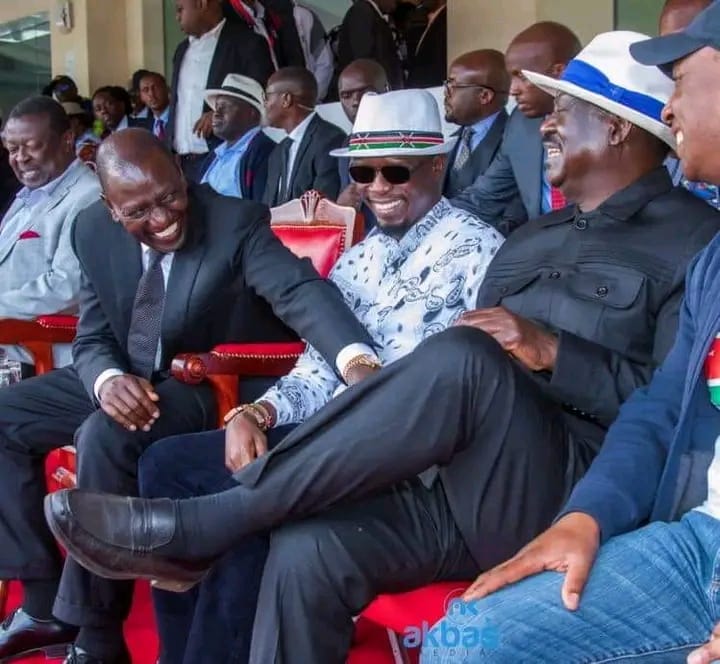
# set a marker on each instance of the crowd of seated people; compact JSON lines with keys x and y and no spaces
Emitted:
{"x":512,"y":370}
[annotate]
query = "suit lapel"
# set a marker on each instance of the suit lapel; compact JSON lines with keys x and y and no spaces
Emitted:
{"x":302,"y":149}
{"x":185,"y":266}
{"x":483,"y":155}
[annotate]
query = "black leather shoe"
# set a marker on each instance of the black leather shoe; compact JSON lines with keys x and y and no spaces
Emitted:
{"x":20,"y":635}
{"x":79,"y":656}
{"x":116,"y":537}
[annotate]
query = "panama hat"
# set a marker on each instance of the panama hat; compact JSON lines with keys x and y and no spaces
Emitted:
{"x":240,"y":87}
{"x":403,"y":123}
{"x":606,"y":75}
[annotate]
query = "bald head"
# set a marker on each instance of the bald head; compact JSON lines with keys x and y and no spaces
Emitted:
{"x":357,"y":79}
{"x":297,"y":81}
{"x":124,"y":154}
{"x":477,"y":87}
{"x":545,"y":48}
{"x":678,"y":14}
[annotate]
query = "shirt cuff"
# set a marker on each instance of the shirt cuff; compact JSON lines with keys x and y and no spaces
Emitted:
{"x":108,"y":373}
{"x":351,"y":352}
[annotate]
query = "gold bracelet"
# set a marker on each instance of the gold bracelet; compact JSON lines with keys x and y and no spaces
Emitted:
{"x":259,"y":414}
{"x":361,"y":361}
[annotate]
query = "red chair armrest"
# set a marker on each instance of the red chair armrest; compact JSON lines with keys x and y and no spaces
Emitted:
{"x":38,"y":337}
{"x":58,"y":322}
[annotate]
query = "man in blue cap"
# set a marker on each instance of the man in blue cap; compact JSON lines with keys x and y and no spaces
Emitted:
{"x":623,"y":593}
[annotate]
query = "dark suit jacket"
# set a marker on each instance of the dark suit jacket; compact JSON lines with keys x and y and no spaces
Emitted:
{"x":230,"y":262}
{"x":239,"y":51}
{"x":480,"y":159}
{"x":144,"y":123}
{"x":313,"y":168}
{"x":365,"y":34}
{"x":516,"y":169}
{"x":428,"y":65}
{"x":252,"y":168}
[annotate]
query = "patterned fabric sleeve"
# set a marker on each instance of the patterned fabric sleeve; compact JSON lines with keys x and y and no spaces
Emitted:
{"x":312,"y":382}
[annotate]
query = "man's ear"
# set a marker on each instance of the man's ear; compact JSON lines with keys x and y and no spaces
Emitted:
{"x":557,"y":69}
{"x":104,"y":199}
{"x":438,"y":164}
{"x":619,"y":131}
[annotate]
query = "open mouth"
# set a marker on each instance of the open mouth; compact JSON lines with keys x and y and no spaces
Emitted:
{"x":388,"y":208}
{"x":168,"y":233}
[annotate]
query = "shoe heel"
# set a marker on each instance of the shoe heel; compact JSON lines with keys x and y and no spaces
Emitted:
{"x":174,"y":586}
{"x":59,"y":651}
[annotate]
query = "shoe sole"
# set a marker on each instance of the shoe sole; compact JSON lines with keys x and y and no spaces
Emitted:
{"x":171,"y":585}
{"x":59,"y":651}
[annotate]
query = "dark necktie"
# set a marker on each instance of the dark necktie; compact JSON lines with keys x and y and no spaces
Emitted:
{"x":160,"y":129}
{"x":284,"y":184}
{"x":464,"y":148}
{"x":144,"y":333}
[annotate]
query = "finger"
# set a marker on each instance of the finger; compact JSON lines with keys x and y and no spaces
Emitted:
{"x":134,"y":410}
{"x":149,"y":389}
{"x":716,"y":631}
{"x":117,"y":415}
{"x":512,"y":571}
{"x":705,"y":655}
{"x":247,"y":452}
{"x":576,"y":577}
{"x":140,"y":395}
{"x":260,"y":445}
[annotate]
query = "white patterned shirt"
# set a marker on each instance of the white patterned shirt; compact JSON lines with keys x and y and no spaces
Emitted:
{"x":402,"y":291}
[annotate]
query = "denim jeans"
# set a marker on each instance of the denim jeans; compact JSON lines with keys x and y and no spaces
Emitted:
{"x":652,"y":597}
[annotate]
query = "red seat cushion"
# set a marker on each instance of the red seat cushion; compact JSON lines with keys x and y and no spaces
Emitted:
{"x":401,"y":611}
{"x":323,"y":244}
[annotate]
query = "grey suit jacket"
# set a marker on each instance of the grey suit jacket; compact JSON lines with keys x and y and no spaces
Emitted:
{"x":516,"y":170}
{"x":480,"y":158}
{"x":39,"y":273}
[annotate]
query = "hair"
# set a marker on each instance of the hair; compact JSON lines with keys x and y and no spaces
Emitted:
{"x":137,"y":77}
{"x":118,"y":94}
{"x":300,"y":82}
{"x":150,"y":74}
{"x":563,"y":43}
{"x":58,"y":120}
{"x":49,"y":89}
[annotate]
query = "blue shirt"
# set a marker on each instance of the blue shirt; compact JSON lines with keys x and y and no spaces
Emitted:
{"x":481,"y":129}
{"x":223,"y":175}
{"x":164,"y":117}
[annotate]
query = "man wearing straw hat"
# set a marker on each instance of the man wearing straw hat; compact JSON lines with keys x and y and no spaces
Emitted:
{"x":499,"y":417}
{"x":238,"y":166}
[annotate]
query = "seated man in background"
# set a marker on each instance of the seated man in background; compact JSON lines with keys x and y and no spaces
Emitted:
{"x":476,"y":93}
{"x":500,"y":416}
{"x":155,"y":94}
{"x":616,"y":589}
{"x":301,"y":161}
{"x":238,"y":166}
{"x":39,"y":273}
{"x":113,"y":107}
{"x":165,"y":269}
{"x":518,"y":169}
{"x":414,"y":276}
{"x":356,"y":80}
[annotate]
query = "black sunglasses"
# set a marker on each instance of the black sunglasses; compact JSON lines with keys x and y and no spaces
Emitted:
{"x":391,"y":174}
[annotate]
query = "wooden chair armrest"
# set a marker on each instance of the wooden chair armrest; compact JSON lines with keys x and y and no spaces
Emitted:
{"x":38,"y":337}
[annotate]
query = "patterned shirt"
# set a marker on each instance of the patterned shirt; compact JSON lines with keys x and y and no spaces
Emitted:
{"x":402,"y":291}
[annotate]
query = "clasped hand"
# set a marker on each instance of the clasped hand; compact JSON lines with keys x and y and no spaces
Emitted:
{"x":130,"y":401}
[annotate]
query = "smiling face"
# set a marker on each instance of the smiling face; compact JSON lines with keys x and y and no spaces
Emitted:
{"x":149,"y":199}
{"x":398,"y":206}
{"x":37,"y":154}
{"x":575,"y":137}
{"x":696,"y":130}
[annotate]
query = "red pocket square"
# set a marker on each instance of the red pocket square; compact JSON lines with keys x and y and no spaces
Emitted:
{"x":28,"y":235}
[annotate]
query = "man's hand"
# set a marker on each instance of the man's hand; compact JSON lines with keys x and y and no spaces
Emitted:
{"x":350,"y":197}
{"x":203,"y":127}
{"x":130,"y":401}
{"x":525,"y":341}
{"x":570,"y":546}
{"x":709,"y":652}
{"x":244,"y":442}
{"x":358,"y":373}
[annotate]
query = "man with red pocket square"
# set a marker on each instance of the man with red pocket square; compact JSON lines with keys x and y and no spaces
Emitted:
{"x":39,"y":272}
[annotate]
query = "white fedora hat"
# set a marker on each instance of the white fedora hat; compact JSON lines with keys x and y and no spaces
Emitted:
{"x":606,"y":75}
{"x":240,"y":87}
{"x":403,"y":123}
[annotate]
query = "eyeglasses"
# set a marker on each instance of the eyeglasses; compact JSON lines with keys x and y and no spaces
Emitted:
{"x":451,"y":85}
{"x":141,"y":215}
{"x":391,"y":174}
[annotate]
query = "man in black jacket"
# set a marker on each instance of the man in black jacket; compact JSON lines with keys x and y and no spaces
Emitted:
{"x":164,"y":270}
{"x":301,"y":161}
{"x":215,"y":47}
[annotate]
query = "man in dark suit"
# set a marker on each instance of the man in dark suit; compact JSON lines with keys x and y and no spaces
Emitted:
{"x":301,"y":161}
{"x":428,"y":61}
{"x":238,"y":166}
{"x":476,"y":92}
{"x":155,"y":94}
{"x":356,"y":80}
{"x":518,"y":168}
{"x":164,"y":270}
{"x":366,"y":33}
{"x":499,"y":416}
{"x":215,"y":47}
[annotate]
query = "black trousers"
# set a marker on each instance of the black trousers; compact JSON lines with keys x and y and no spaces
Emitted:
{"x":350,"y":519}
{"x":212,"y":622}
{"x":47,"y":412}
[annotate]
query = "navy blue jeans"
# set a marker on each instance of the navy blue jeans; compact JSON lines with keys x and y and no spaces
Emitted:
{"x":653,"y":596}
{"x":212,"y":622}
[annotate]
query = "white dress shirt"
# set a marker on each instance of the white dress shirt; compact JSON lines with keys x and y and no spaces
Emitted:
{"x":166,"y":266}
{"x":402,"y":291}
{"x":192,"y":81}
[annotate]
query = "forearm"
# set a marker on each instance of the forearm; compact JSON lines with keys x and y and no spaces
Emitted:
{"x":51,"y":293}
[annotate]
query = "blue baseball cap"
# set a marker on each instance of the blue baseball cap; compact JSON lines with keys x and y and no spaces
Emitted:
{"x":665,"y":51}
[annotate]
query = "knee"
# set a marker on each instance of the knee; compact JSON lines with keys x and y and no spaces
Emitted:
{"x":459,"y":345}
{"x":158,"y":470}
